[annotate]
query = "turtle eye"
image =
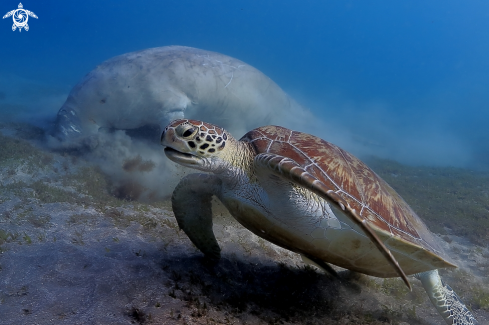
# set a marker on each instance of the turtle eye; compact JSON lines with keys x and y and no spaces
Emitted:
{"x":188,"y":132}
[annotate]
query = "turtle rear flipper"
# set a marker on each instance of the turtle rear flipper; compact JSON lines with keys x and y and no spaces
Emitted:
{"x":321,"y":265}
{"x":191,"y":203}
{"x":14,"y":28}
{"x":446,"y":301}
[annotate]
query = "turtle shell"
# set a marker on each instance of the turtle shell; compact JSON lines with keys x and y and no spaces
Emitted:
{"x":386,"y":212}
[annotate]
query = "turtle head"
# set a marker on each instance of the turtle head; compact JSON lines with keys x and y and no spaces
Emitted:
{"x":197,"y":144}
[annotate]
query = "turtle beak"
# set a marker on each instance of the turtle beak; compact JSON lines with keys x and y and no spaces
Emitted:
{"x":184,"y":159}
{"x":178,"y":151}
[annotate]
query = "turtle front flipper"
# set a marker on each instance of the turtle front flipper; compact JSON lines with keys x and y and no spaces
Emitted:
{"x":191,"y":203}
{"x":446,"y":301}
{"x":292,"y":171}
{"x":8,"y":14}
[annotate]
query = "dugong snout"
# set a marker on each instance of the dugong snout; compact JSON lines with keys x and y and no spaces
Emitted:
{"x":69,"y":133}
{"x":67,"y":126}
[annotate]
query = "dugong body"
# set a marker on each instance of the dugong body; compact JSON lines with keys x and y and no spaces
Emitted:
{"x":158,"y":85}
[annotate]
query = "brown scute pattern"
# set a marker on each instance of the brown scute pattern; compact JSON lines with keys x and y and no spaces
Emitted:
{"x":203,"y":126}
{"x":317,"y":172}
{"x":296,"y":156}
{"x":350,"y":178}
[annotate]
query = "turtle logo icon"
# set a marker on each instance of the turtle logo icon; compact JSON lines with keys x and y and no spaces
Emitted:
{"x":20,"y":17}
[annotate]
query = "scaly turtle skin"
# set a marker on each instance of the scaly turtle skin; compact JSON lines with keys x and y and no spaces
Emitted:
{"x":309,"y":196}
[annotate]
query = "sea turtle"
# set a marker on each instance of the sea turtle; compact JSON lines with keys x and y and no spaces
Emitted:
{"x":308,"y":196}
{"x":20,"y":17}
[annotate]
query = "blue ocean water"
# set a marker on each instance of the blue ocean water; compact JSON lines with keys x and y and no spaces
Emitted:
{"x":405,"y":79}
{"x":395,"y":79}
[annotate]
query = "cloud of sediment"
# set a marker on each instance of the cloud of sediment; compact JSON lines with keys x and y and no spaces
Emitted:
{"x":138,"y":169}
{"x":413,"y":137}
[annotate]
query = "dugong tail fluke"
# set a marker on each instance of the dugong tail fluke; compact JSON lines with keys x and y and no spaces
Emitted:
{"x":158,"y":85}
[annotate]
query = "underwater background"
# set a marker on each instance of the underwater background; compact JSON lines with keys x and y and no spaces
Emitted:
{"x":403,"y":85}
{"x":406,"y":79}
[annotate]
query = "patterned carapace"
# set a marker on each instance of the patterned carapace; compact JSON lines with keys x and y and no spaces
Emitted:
{"x":348,"y":177}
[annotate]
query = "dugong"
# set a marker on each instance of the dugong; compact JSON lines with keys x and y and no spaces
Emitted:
{"x":158,"y":85}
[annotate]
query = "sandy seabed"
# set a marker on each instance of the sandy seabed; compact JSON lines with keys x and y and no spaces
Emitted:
{"x":73,"y":253}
